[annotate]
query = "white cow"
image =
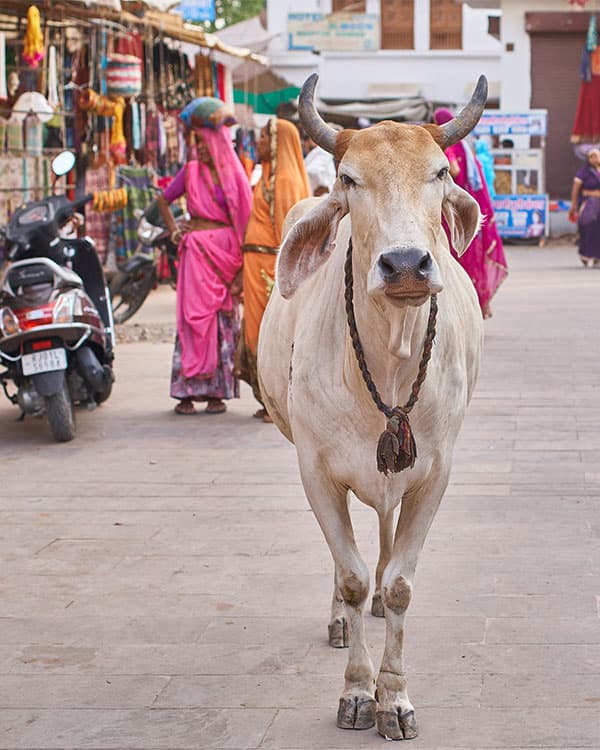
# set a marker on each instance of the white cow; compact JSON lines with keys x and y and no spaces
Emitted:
{"x":392,"y":189}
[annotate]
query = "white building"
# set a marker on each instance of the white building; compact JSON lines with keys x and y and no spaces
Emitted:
{"x":529,"y":51}
{"x":401,"y":60}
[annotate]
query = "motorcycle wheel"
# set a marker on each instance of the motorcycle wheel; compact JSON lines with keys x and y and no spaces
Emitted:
{"x":173,"y":272}
{"x":128,"y":292}
{"x":61,"y":417}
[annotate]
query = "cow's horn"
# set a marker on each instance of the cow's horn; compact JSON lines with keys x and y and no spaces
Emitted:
{"x":466,"y":119}
{"x":314,"y":125}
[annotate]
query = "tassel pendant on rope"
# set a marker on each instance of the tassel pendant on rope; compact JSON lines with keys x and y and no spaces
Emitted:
{"x":396,"y":449}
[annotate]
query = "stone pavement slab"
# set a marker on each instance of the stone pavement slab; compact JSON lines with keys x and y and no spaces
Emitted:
{"x":164,"y":584}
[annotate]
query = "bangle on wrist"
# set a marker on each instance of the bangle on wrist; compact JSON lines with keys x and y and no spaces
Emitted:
{"x":176,"y":236}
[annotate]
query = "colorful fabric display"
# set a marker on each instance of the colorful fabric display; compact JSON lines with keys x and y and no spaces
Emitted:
{"x":14,"y":134}
{"x":123,"y":226}
{"x":34,"y":131}
{"x":97,"y":224}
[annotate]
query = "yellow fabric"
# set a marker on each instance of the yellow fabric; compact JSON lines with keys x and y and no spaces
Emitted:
{"x":290,"y":186}
{"x":33,"y":45}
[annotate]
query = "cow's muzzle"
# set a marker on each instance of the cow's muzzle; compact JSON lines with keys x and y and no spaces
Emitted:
{"x":408,"y":274}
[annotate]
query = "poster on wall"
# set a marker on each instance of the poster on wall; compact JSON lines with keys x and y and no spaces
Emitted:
{"x":521,"y":216}
{"x":497,"y":122}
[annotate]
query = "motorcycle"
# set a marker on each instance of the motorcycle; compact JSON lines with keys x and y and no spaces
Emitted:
{"x":138,"y":275}
{"x":56,"y":327}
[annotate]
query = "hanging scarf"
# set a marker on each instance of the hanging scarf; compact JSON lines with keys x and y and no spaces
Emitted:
{"x":3,"y":91}
{"x":136,"y":130}
{"x":33,"y":46}
{"x":52,"y":79}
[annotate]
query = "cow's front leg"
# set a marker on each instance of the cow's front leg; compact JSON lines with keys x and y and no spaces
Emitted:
{"x":395,"y":713}
{"x":329,"y":503}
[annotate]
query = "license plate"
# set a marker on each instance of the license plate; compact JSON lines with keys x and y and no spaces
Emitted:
{"x":44,"y":361}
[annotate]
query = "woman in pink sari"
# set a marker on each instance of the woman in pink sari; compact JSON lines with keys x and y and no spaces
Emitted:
{"x":218,"y":201}
{"x":484,"y":259}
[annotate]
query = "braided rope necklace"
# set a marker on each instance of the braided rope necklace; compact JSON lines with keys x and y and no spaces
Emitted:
{"x":396,"y":449}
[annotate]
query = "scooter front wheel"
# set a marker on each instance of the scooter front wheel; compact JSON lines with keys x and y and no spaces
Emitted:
{"x":61,"y":417}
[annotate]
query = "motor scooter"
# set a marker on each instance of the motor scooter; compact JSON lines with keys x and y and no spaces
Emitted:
{"x":138,"y":275}
{"x":56,"y":327}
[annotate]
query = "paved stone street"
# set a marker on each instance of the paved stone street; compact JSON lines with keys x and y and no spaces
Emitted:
{"x":163,"y":583}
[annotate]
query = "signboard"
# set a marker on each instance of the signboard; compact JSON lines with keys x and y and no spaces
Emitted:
{"x":521,"y":216}
{"x":337,"y":32}
{"x":496,"y":122}
{"x":197,"y":10}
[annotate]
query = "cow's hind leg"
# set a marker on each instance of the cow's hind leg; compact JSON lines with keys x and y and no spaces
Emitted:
{"x":386,"y":543}
{"x":395,"y":712}
{"x":329,"y":503}
{"x":338,"y":624}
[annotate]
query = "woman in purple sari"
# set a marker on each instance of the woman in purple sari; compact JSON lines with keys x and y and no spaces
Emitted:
{"x":218,"y":200}
{"x":484,"y":259}
{"x":585,"y":208}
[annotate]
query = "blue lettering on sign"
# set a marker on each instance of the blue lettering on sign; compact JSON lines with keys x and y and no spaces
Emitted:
{"x":198,"y":10}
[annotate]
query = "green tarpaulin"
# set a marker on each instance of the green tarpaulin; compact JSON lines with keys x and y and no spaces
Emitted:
{"x":267,"y":102}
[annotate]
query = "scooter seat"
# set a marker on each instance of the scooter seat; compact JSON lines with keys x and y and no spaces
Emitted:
{"x":30,"y":274}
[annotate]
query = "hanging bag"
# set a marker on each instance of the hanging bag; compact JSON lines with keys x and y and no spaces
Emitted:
{"x":123,"y":75}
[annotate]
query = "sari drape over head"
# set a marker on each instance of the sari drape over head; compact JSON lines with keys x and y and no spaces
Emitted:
{"x":283,"y":183}
{"x":484,"y":259}
{"x":210,"y":259}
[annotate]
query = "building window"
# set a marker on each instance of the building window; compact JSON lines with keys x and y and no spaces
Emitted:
{"x":397,"y":24}
{"x":494,"y":26}
{"x":445,"y":24}
{"x":349,"y":6}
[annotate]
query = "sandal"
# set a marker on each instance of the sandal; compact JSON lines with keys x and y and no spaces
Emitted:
{"x":260,"y":414}
{"x":185,"y":407}
{"x":215,"y":406}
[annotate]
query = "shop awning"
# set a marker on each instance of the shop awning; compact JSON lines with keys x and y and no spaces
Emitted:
{"x":170,"y":24}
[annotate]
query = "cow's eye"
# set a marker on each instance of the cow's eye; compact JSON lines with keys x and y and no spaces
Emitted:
{"x":442,"y":173}
{"x":347,"y":181}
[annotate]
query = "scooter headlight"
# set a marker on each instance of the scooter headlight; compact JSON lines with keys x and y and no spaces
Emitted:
{"x":64,"y":310}
{"x":9,"y":323}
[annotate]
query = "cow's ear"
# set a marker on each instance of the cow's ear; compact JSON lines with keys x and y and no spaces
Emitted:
{"x":462,"y":213}
{"x":310,"y":241}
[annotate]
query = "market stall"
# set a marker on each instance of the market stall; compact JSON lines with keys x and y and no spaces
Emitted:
{"x":106,"y":81}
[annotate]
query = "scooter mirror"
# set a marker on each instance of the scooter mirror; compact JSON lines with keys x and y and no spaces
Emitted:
{"x":63,"y":163}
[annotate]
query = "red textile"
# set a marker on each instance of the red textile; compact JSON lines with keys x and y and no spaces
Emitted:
{"x":587,"y":118}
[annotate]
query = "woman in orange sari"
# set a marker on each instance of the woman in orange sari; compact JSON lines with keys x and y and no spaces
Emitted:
{"x":283,"y":183}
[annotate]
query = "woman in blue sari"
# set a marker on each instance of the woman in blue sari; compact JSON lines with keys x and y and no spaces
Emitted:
{"x":585,"y":208}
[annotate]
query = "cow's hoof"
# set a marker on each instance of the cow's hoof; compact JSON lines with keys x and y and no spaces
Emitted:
{"x":338,"y":633}
{"x":377,"y":605}
{"x":393,"y":726}
{"x":356,"y":712}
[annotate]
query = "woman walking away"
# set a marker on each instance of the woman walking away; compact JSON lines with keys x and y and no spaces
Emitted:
{"x":585,"y":208}
{"x":283,"y":183}
{"x":484,"y":259}
{"x":218,"y":200}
